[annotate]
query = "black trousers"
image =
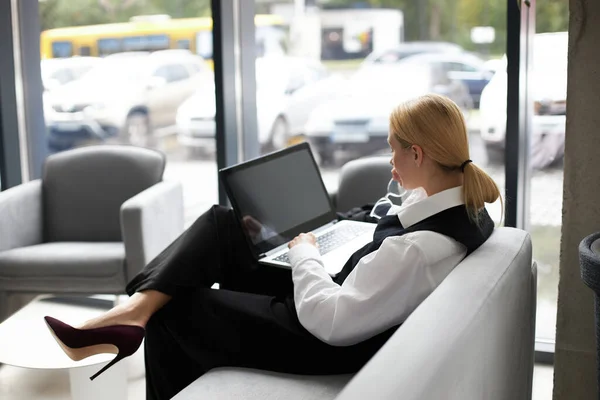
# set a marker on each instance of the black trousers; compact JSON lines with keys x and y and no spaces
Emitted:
{"x":250,"y":321}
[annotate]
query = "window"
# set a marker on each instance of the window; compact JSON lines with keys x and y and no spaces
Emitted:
{"x":172,"y":72}
{"x":194,"y":68}
{"x":456,"y":66}
{"x":62,"y":49}
{"x":119,"y":83}
{"x":146,"y":43}
{"x":184,"y":44}
{"x":62,"y":76}
{"x":108,"y":46}
{"x":547,"y":140}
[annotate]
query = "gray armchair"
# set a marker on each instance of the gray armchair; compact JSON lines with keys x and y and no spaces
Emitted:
{"x":96,"y":217}
{"x":362,"y":181}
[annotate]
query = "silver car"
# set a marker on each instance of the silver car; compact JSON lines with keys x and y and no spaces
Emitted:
{"x":127,"y":96}
{"x":358,"y":119}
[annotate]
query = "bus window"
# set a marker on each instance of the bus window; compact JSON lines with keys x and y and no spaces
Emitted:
{"x":204,"y":44}
{"x":184,"y":44}
{"x":158,"y":42}
{"x":62,"y":49}
{"x":108,"y":46}
{"x":146,"y":43}
{"x":85,"y":51}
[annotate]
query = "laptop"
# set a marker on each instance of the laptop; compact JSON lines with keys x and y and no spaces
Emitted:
{"x":280,"y":195}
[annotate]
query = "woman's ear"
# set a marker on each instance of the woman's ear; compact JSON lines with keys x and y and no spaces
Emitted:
{"x":418,"y":155}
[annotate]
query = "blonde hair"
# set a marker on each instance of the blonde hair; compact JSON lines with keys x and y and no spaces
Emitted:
{"x":437,"y":125}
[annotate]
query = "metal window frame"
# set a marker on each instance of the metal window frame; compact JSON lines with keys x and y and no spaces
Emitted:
{"x":10,"y":157}
{"x":23,"y":146}
{"x":520,"y":32}
{"x":235,"y":83}
{"x":519,"y":112}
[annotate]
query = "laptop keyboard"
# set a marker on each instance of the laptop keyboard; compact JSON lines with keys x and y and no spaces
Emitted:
{"x":333,"y":239}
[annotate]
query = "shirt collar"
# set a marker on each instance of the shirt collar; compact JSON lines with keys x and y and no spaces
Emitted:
{"x":424,"y":208}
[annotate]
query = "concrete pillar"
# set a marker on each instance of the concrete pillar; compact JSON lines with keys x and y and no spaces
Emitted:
{"x":575,"y":357}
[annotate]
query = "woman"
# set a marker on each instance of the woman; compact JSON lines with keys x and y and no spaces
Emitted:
{"x":309,"y":323}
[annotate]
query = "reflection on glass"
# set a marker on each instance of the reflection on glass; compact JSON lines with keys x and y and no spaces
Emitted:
{"x":394,"y":54}
{"x":142,"y":65}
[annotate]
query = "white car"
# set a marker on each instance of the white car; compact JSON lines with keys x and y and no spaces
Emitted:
{"x":358,"y":118}
{"x":127,"y":95}
{"x":287,"y":90}
{"x":548,"y":85}
{"x":462,"y":66}
{"x":57,"y":72}
{"x":408,"y":49}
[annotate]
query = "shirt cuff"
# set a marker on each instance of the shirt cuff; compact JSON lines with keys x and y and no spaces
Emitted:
{"x":302,"y":252}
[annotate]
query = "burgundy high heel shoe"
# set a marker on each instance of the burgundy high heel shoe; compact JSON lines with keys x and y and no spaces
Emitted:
{"x":122,"y":340}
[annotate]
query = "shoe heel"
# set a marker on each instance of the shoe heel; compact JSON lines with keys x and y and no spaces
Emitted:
{"x":115,"y":360}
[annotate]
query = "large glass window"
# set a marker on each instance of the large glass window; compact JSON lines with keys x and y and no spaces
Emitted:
{"x":130,"y":97}
{"x":377,"y":57}
{"x":547,"y":140}
{"x":374,"y":58}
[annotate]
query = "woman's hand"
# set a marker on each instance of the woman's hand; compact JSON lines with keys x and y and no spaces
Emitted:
{"x":309,"y":238}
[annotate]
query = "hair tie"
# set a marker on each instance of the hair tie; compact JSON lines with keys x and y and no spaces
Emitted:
{"x":463,"y":165}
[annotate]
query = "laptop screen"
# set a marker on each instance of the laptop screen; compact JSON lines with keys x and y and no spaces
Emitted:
{"x":278,"y":196}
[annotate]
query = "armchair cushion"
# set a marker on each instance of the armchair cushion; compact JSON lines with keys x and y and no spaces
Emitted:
{"x":251,"y":384}
{"x":63,"y":259}
{"x":83,"y":190}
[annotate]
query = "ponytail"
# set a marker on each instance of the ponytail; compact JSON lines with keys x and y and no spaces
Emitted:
{"x":478,"y":188}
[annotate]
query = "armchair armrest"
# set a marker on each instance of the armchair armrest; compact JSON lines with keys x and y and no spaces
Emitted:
{"x":150,"y":221}
{"x":21,"y":221}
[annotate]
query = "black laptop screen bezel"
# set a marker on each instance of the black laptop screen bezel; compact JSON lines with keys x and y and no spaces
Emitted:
{"x":259,"y":249}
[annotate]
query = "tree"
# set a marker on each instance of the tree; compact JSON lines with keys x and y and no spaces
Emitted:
{"x":552,"y":16}
{"x":452,"y":20}
{"x":62,"y":13}
{"x":449,"y":20}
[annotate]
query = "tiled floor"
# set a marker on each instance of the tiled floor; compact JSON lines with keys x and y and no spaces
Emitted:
{"x":543,"y":382}
{"x":29,"y":384}
{"x":23,"y":384}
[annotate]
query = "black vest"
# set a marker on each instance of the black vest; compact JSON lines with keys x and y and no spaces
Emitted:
{"x":453,"y":222}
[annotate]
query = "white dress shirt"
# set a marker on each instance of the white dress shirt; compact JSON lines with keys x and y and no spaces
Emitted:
{"x":386,"y":285}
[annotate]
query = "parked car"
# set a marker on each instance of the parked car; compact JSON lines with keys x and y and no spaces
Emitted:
{"x":462,"y":66}
{"x":57,"y":72}
{"x":548,"y":85}
{"x":407,"y":49}
{"x":358,"y":119}
{"x":288,"y":89}
{"x":127,"y":95}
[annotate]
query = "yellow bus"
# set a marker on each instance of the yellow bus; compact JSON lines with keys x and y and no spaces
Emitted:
{"x":150,"y":33}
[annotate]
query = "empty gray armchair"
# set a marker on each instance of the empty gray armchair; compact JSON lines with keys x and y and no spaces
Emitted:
{"x":362,"y":181}
{"x":96,"y":217}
